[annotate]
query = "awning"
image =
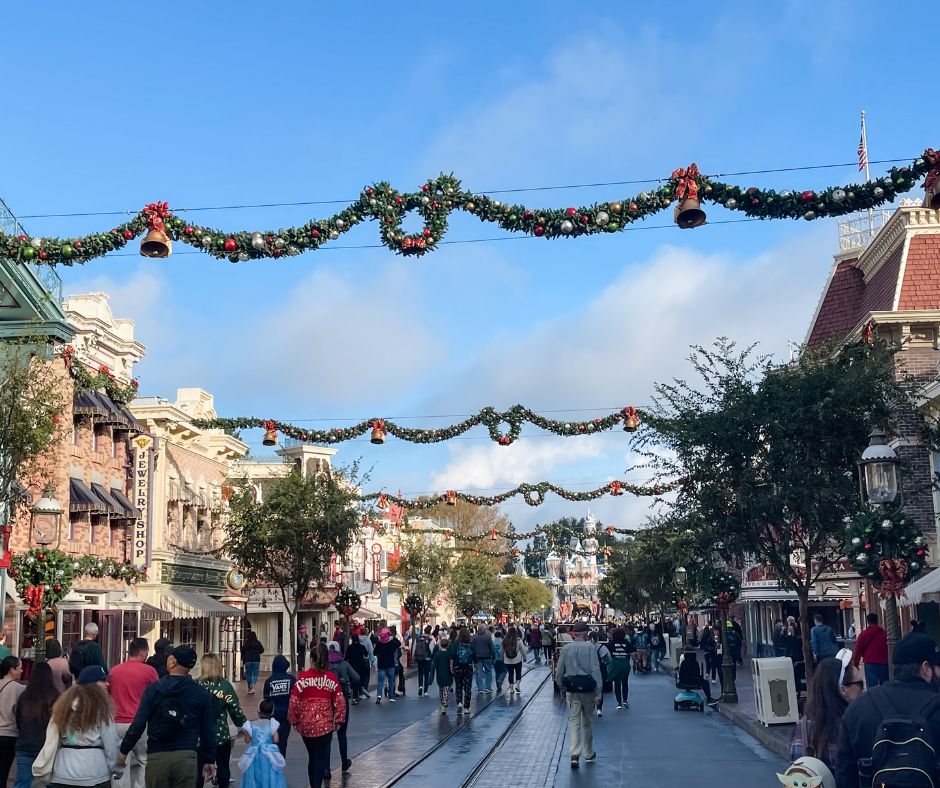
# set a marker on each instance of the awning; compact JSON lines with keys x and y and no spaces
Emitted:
{"x":375,"y":612}
{"x":129,"y":510}
{"x":112,"y":506}
{"x":924,"y":589}
{"x":87,"y":403}
{"x":151,"y":613}
{"x":192,"y":604}
{"x":132,"y":423}
{"x":81,"y":499}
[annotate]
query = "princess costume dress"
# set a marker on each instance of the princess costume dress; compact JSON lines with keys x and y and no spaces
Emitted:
{"x":262,"y":764}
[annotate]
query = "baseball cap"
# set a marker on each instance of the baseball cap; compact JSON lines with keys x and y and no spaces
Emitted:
{"x":580,"y":626}
{"x":92,"y":674}
{"x":916,"y":648}
{"x":332,"y":645}
{"x":185,"y":656}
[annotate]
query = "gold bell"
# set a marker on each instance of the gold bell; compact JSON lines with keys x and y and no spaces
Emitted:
{"x":451,"y":498}
{"x":270,"y":437}
{"x":156,"y":244}
{"x":378,"y":432}
{"x":689,"y":214}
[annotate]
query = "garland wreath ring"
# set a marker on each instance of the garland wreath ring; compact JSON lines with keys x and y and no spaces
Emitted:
{"x":414,"y":605}
{"x":348,"y":602}
{"x":439,"y":196}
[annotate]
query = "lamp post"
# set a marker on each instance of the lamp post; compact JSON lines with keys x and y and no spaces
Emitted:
{"x":879,"y":485}
{"x":468,"y":610}
{"x":680,"y":576}
{"x":412,"y":589}
{"x":729,"y":687}
{"x":44,"y":530}
{"x":512,"y":611}
{"x":348,"y":572}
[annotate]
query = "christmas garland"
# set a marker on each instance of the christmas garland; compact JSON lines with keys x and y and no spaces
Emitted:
{"x":503,"y":426}
{"x":102,"y":379}
{"x":886,"y":548}
{"x":348,"y":602}
{"x":439,"y":196}
{"x":551,"y":531}
{"x":533,"y":494}
{"x":43,"y":577}
{"x":414,"y":605}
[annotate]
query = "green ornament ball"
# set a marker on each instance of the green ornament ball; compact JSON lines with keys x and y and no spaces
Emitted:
{"x":29,"y":253}
{"x":67,"y":250}
{"x":612,"y":227}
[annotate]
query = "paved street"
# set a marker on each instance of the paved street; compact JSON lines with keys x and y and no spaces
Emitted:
{"x":523,"y":742}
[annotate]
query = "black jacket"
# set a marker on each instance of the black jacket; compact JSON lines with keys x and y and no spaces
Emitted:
{"x":862,"y":718}
{"x":200,"y":706}
{"x":358,"y":657}
{"x":278,"y":686}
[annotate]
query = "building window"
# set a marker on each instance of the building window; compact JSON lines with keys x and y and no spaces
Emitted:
{"x":72,"y":528}
{"x":130,"y":627}
{"x":76,"y":425}
{"x":115,"y":444}
{"x":71,"y":628}
{"x":188,"y":631}
{"x":92,"y":529}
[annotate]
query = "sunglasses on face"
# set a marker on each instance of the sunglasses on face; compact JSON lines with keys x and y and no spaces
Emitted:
{"x":854,"y":684}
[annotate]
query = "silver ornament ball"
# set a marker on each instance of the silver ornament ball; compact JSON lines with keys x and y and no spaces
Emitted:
{"x":856,"y":541}
{"x":257,"y":242}
{"x":340,"y":223}
{"x":809,"y":215}
{"x":731,"y":203}
{"x":425,"y":200}
{"x":786,"y":194}
{"x":567,"y":227}
{"x":878,"y":192}
{"x":915,"y":566}
{"x":886,"y":525}
{"x":242,"y":257}
{"x":861,"y":558}
{"x":35,"y":242}
{"x":602,"y":218}
{"x":333,"y":235}
{"x":279,"y":243}
{"x":838,"y":195}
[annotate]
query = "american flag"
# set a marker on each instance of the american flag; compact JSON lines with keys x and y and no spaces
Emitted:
{"x":862,"y":153}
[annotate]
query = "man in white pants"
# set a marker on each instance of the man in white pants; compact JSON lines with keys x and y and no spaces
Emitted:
{"x":578,"y":675}
{"x":127,"y":684}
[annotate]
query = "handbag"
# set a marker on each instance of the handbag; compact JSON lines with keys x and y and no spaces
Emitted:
{"x":45,"y":761}
{"x":580,"y":683}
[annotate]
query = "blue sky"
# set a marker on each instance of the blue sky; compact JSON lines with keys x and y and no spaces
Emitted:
{"x":207,"y":104}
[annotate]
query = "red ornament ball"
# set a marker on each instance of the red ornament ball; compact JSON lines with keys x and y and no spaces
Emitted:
{"x":868,"y":546}
{"x":427,"y":232}
{"x":539,"y":230}
{"x":40,"y":556}
{"x":370,"y":191}
{"x":407,"y":243}
{"x":585,"y":218}
{"x":42,"y":254}
{"x":22,"y":237}
{"x":315,"y":232}
{"x":56,"y":588}
{"x":128,"y":235}
{"x":526,"y":214}
{"x":425,"y":187}
{"x":188,"y":230}
{"x":399,"y":200}
{"x":570,"y":211}
{"x":230,"y":245}
{"x":807,"y":196}
{"x":633,"y":207}
{"x":77,"y":244}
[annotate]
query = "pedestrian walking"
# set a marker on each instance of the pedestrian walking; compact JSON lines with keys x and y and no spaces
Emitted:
{"x":548,"y":642}
{"x":180,"y":718}
{"x":535,"y":643}
{"x":33,"y":712}
{"x":11,"y":671}
{"x":461,"y":658}
{"x":385,"y":651}
{"x":61,"y":675}
{"x":822,"y":639}
{"x":499,"y":666}
{"x":347,"y":678}
{"x":157,"y":660}
{"x":365,"y":640}
{"x":358,"y":659}
{"x":303,"y":645}
{"x":578,"y":676}
{"x":317,"y":708}
{"x":212,"y":680}
{"x":482,"y":643}
{"x":872,"y":648}
{"x":657,"y":646}
{"x":440,"y":669}
{"x":817,"y":735}
{"x":422,"y":649}
{"x":618,"y":671}
{"x":514,"y":654}
{"x":277,"y":689}
{"x":779,"y":640}
{"x":82,"y":722}
{"x":251,"y":659}
{"x":87,"y":651}
{"x":127,"y":684}
{"x":603,"y":657}
{"x":262,"y":764}
{"x":399,"y":667}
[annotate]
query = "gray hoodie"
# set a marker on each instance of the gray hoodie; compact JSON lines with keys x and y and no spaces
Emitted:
{"x":92,"y":763}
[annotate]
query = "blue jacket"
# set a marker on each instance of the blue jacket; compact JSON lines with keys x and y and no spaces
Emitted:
{"x":278,"y":686}
{"x":823,"y":641}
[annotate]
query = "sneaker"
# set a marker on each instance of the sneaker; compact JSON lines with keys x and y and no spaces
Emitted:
{"x":328,"y":775}
{"x":420,"y":692}
{"x":499,"y":687}
{"x":347,"y":765}
{"x":713,"y":703}
{"x":619,"y":707}
{"x":392,"y":699}
{"x":575,"y":763}
{"x":378,"y":701}
{"x":590,"y":758}
{"x":626,"y":705}
{"x":443,"y":710}
{"x":599,"y":713}
{"x":460,"y":708}
{"x":251,"y":691}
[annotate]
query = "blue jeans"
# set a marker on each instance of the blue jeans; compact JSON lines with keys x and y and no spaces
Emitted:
{"x":500,"y":669}
{"x":484,"y":671}
{"x":384,"y":675}
{"x":251,"y":673}
{"x":874,"y":675}
{"x":424,"y":674}
{"x":24,"y":770}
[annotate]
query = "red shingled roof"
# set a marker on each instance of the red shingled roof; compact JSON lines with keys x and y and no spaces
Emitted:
{"x":921,"y":286}
{"x":841,"y":308}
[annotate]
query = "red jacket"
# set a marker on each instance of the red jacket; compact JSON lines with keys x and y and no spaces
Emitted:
{"x":317,"y":706}
{"x":872,"y":646}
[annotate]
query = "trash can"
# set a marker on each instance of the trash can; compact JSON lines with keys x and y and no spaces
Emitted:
{"x":774,"y":690}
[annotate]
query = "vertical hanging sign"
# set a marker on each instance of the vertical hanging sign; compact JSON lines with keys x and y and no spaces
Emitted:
{"x":143,"y":454}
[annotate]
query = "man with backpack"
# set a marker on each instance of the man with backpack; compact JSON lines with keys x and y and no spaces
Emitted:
{"x":422,"y":649}
{"x":889,"y":734}
{"x":483,"y":655}
{"x":87,"y":652}
{"x":179,"y":716}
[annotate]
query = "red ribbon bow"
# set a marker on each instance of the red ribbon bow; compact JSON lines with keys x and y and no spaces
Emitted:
{"x":383,"y":501}
{"x":686,"y":183}
{"x":379,"y":424}
{"x":67,"y":356}
{"x":32,"y":596}
{"x":932,"y":157}
{"x":893,"y":572}
{"x":156,"y":213}
{"x":615,"y":488}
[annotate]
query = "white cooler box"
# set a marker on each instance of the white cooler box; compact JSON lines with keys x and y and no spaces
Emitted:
{"x":774,"y":690}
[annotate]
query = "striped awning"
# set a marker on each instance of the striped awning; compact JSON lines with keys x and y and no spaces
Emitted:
{"x":129,"y":510}
{"x":81,"y":499}
{"x":151,"y":613}
{"x":87,"y":403}
{"x":110,"y":505}
{"x":192,"y":604}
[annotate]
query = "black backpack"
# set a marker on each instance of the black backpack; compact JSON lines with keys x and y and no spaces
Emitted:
{"x":903,"y":754}
{"x":79,"y":658}
{"x":169,"y":718}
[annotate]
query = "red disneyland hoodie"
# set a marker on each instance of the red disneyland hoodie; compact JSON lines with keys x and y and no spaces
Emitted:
{"x":317,"y":706}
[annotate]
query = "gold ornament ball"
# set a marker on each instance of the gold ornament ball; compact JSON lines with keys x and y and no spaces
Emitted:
{"x":470,"y":206}
{"x":616,"y":207}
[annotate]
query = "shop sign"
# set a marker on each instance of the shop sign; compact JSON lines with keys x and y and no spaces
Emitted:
{"x":180,"y":575}
{"x":143,"y":456}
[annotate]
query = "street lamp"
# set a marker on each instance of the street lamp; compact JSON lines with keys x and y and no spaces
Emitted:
{"x":879,"y":484}
{"x":44,"y":527}
{"x":348,"y":573}
{"x":512,"y":610}
{"x":680,"y":576}
{"x":412,"y":586}
{"x":469,"y":609}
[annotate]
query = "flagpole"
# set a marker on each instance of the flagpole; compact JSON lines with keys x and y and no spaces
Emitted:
{"x":871,"y":226}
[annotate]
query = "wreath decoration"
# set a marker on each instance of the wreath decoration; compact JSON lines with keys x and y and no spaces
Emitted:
{"x":886,"y":548}
{"x":44,"y":577}
{"x":348,"y":602}
{"x":414,"y":605}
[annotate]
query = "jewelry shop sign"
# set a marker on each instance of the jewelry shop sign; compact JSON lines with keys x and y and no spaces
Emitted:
{"x":143,"y":458}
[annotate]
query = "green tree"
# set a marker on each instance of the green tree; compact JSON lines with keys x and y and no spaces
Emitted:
{"x":767,"y":454}
{"x":476,"y":574}
{"x":289,"y":538}
{"x":535,"y":557}
{"x":32,"y":400}
{"x":424,"y":559}
{"x":527,"y":594}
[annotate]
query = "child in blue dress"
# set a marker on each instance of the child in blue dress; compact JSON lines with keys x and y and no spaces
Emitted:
{"x":262,"y":764}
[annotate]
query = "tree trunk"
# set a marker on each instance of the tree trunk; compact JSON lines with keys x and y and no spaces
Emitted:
{"x":803,"y":596}
{"x":292,"y":617}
